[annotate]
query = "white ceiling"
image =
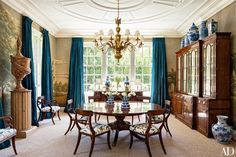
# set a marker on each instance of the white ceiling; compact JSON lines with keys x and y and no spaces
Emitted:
{"x":169,"y":18}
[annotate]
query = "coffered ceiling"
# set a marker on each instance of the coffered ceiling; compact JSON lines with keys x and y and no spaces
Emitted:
{"x":169,"y":18}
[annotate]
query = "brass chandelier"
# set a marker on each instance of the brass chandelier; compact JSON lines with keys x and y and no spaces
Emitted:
{"x":115,"y":43}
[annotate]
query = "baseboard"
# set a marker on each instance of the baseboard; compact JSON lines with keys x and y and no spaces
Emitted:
{"x":25,"y":133}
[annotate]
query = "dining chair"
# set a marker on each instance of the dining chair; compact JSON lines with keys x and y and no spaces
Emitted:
{"x":140,"y":99}
{"x":8,"y":132}
{"x":145,"y":130}
{"x":167,"y":115}
{"x":47,"y":106}
{"x":86,"y":128}
{"x":96,"y":118}
{"x":71,"y":113}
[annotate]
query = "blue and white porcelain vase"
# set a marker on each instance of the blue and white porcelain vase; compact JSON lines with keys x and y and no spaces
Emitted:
{"x":212,"y":27}
{"x":203,"y":31}
{"x":110,"y":99}
{"x":193,"y":33}
{"x":182,"y":43}
{"x":186,"y":41}
{"x":125,"y":102}
{"x":126,"y":80}
{"x":221,"y":131}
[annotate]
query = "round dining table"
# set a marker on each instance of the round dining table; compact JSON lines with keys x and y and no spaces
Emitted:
{"x":119,"y":112}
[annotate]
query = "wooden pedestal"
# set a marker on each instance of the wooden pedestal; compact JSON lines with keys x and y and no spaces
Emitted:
{"x":21,"y":111}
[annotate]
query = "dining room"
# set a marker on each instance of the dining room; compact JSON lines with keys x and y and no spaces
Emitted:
{"x":117,"y":78}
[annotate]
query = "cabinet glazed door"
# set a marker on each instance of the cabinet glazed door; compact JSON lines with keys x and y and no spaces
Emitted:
{"x":209,"y":70}
{"x":193,"y":72}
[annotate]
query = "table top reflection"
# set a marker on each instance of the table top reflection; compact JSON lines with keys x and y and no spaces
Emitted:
{"x":136,"y":108}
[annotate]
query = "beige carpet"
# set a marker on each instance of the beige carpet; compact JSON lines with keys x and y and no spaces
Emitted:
{"x":49,"y":141}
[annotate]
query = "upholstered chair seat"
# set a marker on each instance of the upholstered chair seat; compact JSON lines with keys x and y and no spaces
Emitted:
{"x":142,"y":128}
{"x":7,"y":133}
{"x":98,"y":129}
{"x":47,"y":109}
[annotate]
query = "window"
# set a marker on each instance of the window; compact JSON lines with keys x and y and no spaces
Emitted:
{"x":143,"y":67}
{"x":97,"y":65}
{"x":37,"y":43}
{"x":92,"y":67}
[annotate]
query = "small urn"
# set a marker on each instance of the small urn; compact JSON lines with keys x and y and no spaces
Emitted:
{"x":20,"y":67}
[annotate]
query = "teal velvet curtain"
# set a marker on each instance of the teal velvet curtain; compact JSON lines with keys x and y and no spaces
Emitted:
{"x":46,"y":82}
{"x":46,"y":78}
{"x":6,"y":143}
{"x":159,"y":88}
{"x":76,"y":82}
{"x":29,"y":81}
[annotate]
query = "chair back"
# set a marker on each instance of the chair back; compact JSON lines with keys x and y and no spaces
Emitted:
{"x":41,"y":102}
{"x":152,"y":114}
{"x":69,"y":108}
{"x":85,"y":119}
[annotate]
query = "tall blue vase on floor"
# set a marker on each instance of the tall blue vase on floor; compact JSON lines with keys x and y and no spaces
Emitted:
{"x":221,"y":131}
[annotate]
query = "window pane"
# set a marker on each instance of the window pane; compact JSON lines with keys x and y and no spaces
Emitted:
{"x":143,"y":68}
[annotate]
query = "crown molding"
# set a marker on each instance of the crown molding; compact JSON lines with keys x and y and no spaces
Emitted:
{"x":64,"y":33}
{"x":204,"y":12}
{"x":28,"y":8}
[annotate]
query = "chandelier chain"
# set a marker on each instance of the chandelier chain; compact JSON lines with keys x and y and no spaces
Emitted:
{"x":118,"y":6}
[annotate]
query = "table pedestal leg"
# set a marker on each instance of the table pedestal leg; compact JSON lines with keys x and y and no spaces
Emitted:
{"x":119,"y":125}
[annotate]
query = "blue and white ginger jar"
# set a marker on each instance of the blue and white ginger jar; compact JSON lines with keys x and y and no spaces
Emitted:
{"x":193,"y":33}
{"x":212,"y":27}
{"x":125,"y":102}
{"x":221,"y":131}
{"x":203,"y":31}
{"x":186,"y":41}
{"x":110,"y":99}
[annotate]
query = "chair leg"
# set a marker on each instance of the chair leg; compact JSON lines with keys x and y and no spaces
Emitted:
{"x":44,"y":115}
{"x":92,"y":145}
{"x":167,"y":128}
{"x":98,"y":117}
{"x":14,"y":144}
{"x":148,"y":147}
{"x":72,"y":126}
{"x":52,"y":115}
{"x":40,"y":116}
{"x":58,"y":114}
{"x":162,"y":145}
{"x":131,"y":140}
{"x":107,"y":120}
{"x":95,"y":118}
{"x":108,"y":139}
{"x":138,"y":118}
{"x":68,"y":127}
{"x":132,"y":121}
{"x":78,"y":141}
